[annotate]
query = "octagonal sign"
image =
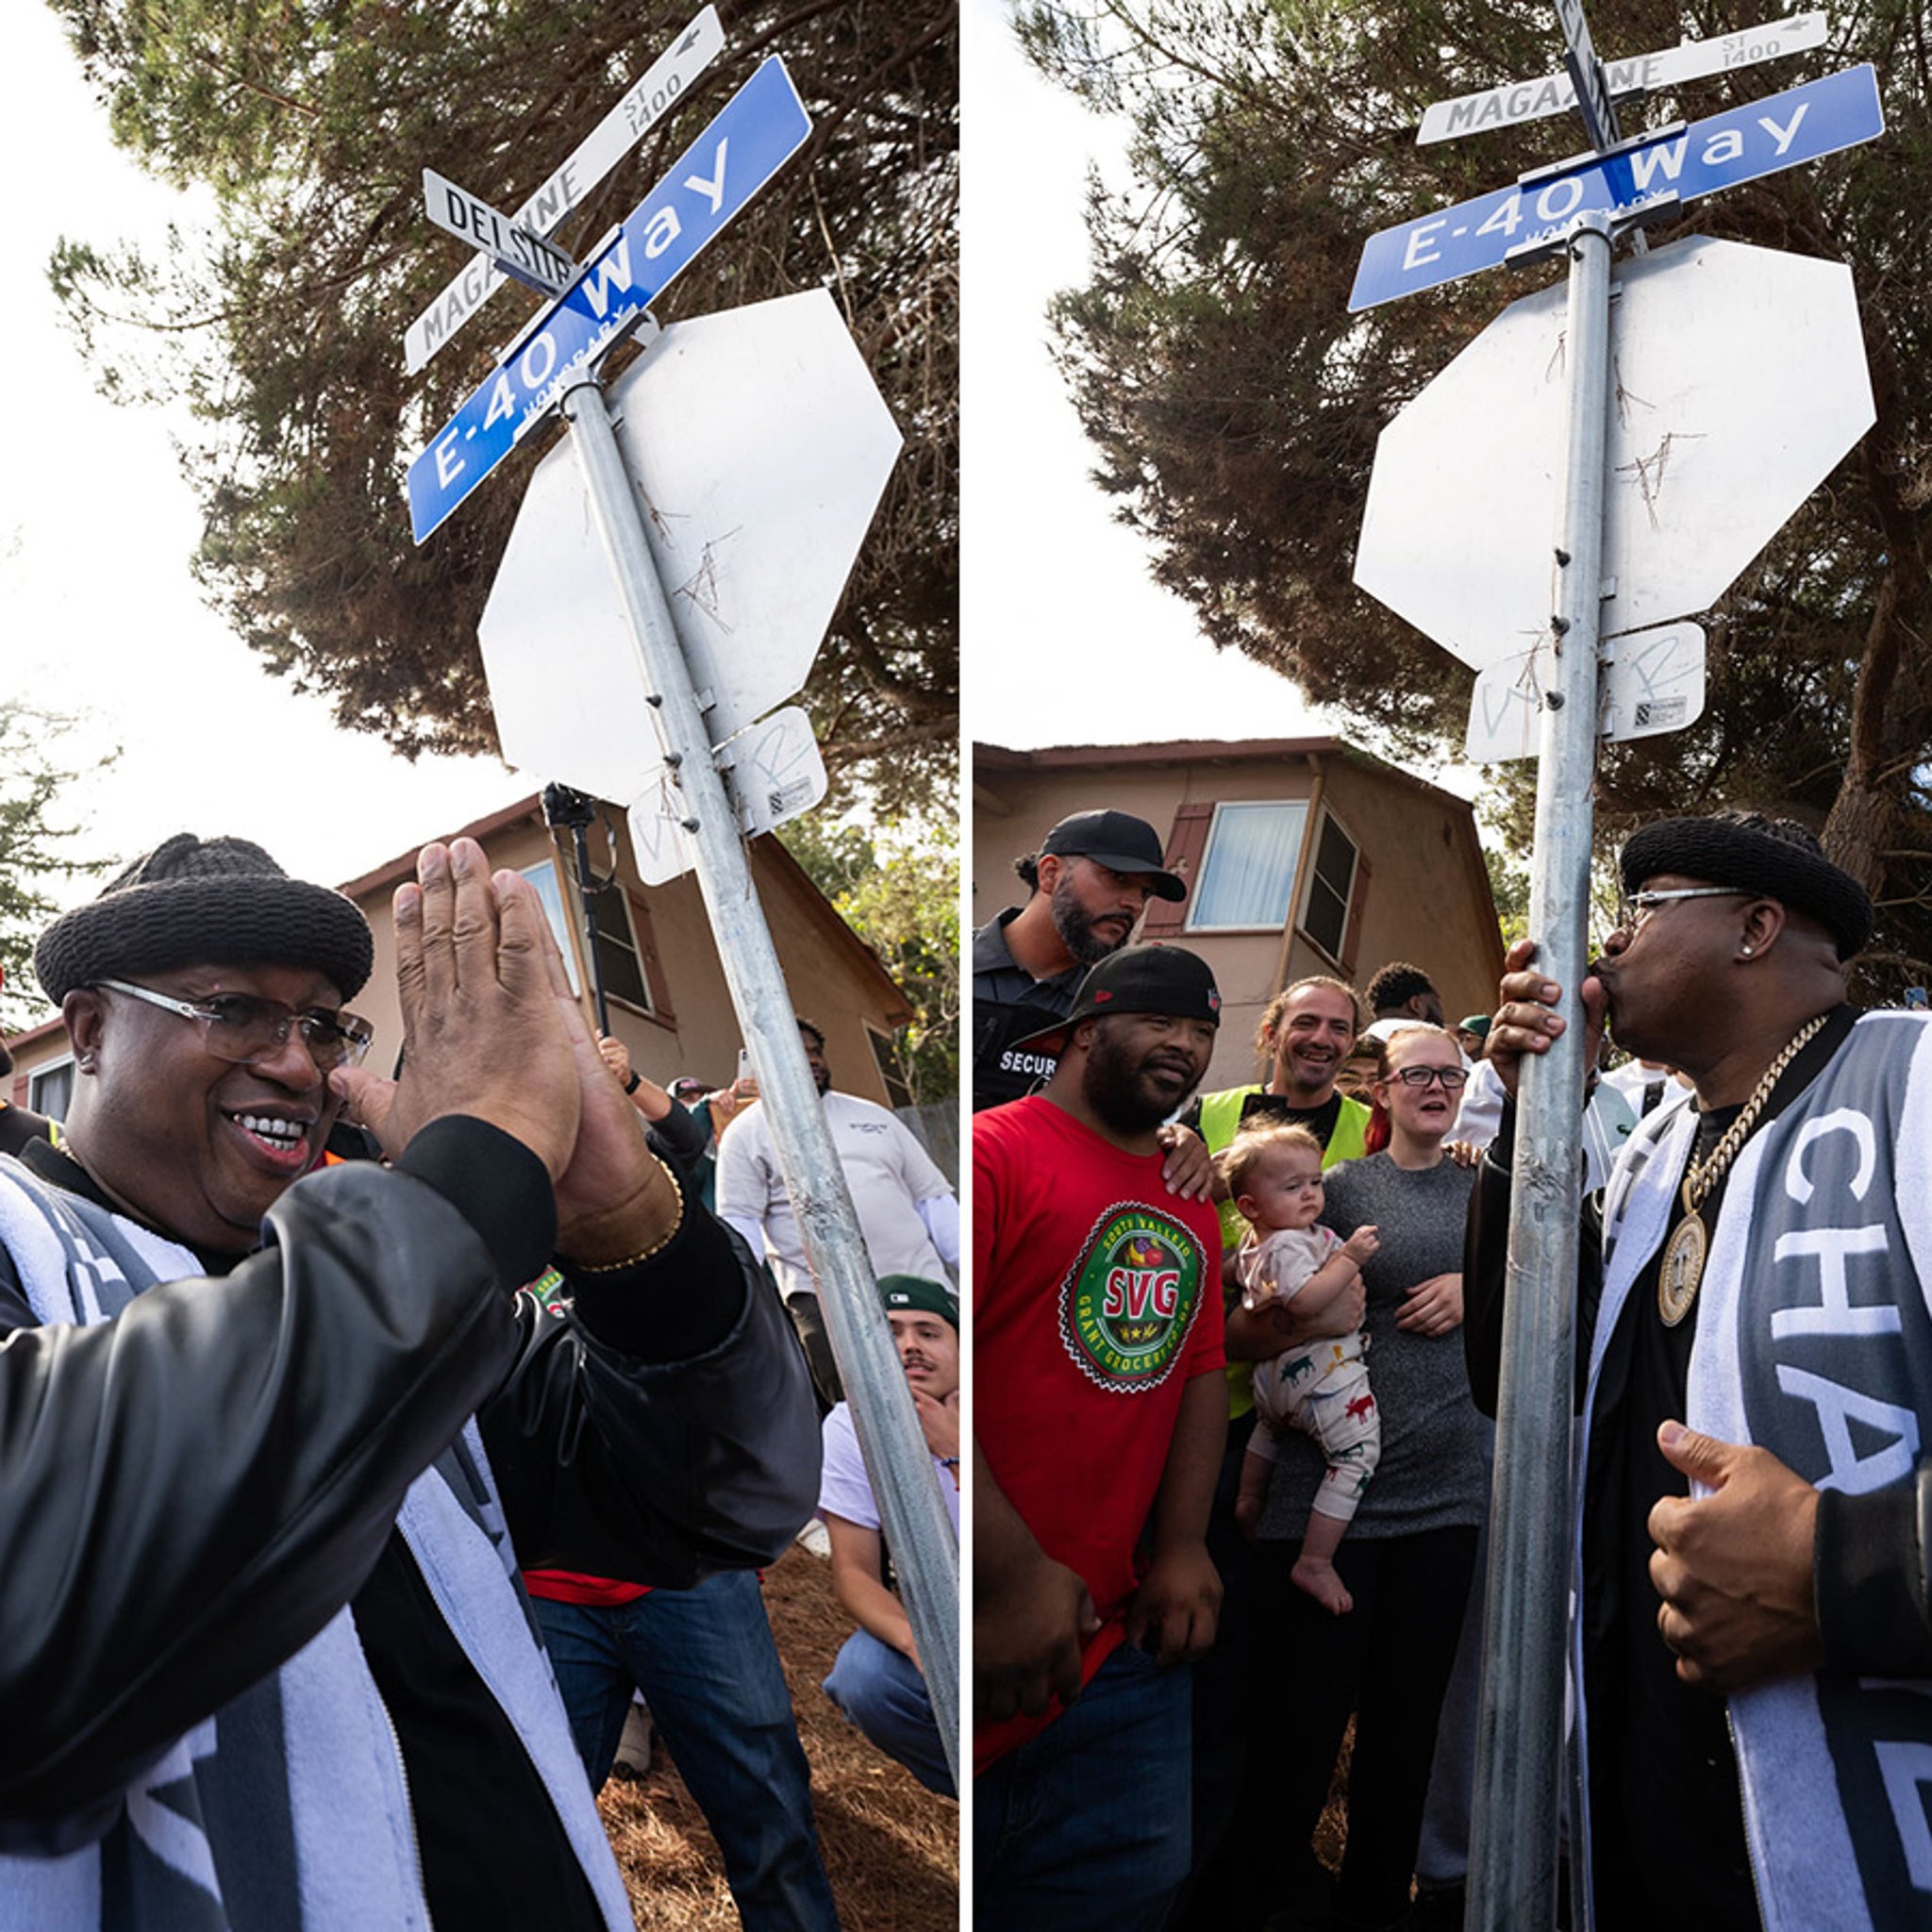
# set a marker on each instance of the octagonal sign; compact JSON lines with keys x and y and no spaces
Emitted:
{"x":759,"y":446}
{"x":1738,"y":381}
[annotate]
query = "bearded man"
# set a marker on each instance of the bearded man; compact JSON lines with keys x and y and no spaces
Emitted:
{"x":1100,"y":1414}
{"x":276,"y":1440}
{"x":1088,"y":885}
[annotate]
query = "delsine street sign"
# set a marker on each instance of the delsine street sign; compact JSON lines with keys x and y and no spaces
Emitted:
{"x":521,"y":252}
{"x":643,"y":104}
{"x":761,"y":128}
{"x":1741,"y":144}
{"x":1534,"y":100}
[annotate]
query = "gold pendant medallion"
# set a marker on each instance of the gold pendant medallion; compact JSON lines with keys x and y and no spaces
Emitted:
{"x":1681,"y":1270}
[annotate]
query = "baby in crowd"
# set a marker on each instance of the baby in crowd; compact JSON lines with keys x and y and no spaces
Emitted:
{"x":1273,"y":1175}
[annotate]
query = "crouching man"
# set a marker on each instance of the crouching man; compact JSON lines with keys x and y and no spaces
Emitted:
{"x":274,"y":1440}
{"x":877,"y":1680}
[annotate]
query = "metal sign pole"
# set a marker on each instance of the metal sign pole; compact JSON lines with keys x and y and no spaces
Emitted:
{"x":1519,"y":1747}
{"x":911,"y":1509}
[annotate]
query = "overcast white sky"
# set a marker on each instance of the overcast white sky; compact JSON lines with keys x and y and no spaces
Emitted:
{"x":1067,"y":637}
{"x":97,"y":610}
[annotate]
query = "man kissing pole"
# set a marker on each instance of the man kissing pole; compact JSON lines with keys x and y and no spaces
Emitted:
{"x":1751,"y":1659}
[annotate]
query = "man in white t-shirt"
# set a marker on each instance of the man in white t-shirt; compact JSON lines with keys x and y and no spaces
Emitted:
{"x":876,"y":1680}
{"x":906,"y":1210}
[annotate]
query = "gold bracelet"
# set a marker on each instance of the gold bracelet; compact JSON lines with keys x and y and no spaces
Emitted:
{"x":662,"y":1241}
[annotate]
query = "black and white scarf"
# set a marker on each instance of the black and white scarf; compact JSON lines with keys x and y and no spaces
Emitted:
{"x":288,"y":1810}
{"x":1814,"y":1340}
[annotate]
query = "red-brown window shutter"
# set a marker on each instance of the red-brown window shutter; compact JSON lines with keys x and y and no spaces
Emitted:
{"x":1185,"y":843}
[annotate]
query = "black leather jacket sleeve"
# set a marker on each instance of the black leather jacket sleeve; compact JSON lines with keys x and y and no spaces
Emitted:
{"x":681,"y":1137}
{"x":1485,"y":1267}
{"x":1485,"y":1257}
{"x":189,"y":1491}
{"x":659,"y":1426}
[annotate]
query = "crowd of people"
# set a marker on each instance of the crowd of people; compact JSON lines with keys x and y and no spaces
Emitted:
{"x":368,"y":1444}
{"x":1237,"y":1357}
{"x":365,"y":1442}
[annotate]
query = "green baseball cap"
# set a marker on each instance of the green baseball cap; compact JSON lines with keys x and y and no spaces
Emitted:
{"x":906,"y":1293}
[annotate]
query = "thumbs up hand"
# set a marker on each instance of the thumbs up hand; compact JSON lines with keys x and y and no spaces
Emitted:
{"x":1733,"y":1566}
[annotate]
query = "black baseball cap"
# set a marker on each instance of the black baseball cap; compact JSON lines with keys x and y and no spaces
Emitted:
{"x":1139,"y":979}
{"x":1118,"y":840}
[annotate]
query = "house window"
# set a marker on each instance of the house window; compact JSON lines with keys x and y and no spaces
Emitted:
{"x":1324,"y":919}
{"x":543,"y":877}
{"x":1247,"y":872}
{"x":619,"y":958}
{"x":50,"y":1090}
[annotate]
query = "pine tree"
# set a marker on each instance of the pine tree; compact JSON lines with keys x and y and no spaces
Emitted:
{"x":1235,"y":403}
{"x":311,"y":122}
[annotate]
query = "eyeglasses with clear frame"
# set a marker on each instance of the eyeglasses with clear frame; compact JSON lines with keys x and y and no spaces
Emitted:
{"x":1419,"y":1077}
{"x":240,"y":1028}
{"x":1633,"y":908}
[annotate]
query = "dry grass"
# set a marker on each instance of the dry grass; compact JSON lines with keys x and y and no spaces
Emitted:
{"x":1332,"y":1829}
{"x":892,"y":1849}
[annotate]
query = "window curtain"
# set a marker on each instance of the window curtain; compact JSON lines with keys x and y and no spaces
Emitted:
{"x":1249,"y":870}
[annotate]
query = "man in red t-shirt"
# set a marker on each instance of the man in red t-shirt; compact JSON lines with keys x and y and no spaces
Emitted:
{"x":1100,"y":1413}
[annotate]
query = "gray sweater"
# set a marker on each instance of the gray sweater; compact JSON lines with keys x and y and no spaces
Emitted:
{"x":1432,"y":1474}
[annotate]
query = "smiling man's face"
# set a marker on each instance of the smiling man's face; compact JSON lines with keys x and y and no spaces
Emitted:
{"x":1141,"y":1067}
{"x":199,"y":1146}
{"x":1312,"y":1042}
{"x":928,"y":1350}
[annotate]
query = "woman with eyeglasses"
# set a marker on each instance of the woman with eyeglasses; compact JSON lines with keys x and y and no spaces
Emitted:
{"x":1410,"y":1554}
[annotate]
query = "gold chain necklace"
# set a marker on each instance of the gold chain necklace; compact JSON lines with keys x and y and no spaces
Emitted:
{"x":1682,"y":1267}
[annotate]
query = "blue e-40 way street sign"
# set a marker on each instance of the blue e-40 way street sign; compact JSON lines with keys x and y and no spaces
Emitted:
{"x":762,"y":126}
{"x":1741,"y":144}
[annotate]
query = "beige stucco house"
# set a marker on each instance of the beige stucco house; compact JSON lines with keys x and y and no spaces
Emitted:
{"x":1302,"y":855}
{"x":664,"y":988}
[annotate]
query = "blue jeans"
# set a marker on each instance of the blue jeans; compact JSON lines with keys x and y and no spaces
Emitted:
{"x":708,"y":1667}
{"x":883,"y":1693}
{"x":1084,"y":1828}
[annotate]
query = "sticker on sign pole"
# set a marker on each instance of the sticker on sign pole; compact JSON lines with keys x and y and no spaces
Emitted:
{"x":1653,"y":683}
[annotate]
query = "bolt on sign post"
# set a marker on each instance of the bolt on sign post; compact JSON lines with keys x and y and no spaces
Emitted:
{"x":1552,"y":656}
{"x":551,"y":367}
